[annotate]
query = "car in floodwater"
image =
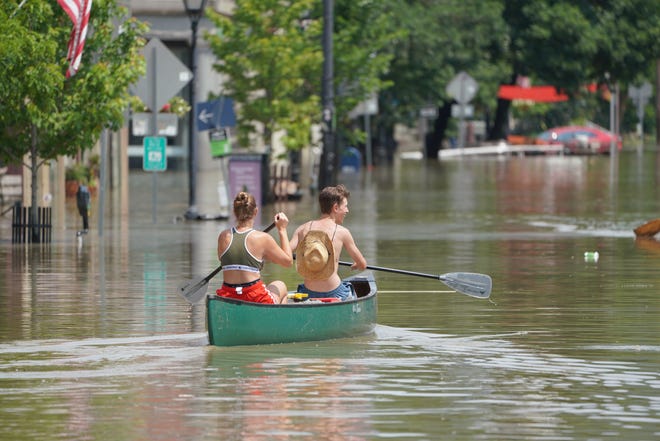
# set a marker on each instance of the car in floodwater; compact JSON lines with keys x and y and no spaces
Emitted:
{"x":580,"y":139}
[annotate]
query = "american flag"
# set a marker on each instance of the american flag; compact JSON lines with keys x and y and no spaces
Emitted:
{"x":78,"y":11}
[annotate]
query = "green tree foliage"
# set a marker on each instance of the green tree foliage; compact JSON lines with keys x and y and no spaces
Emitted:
{"x":565,"y":43}
{"x":628,"y":40}
{"x":41,"y":111}
{"x":551,"y":41}
{"x":363,"y":51}
{"x":66,"y":115}
{"x":30,"y":70}
{"x":270,"y":52}
{"x":570,"y":44}
{"x":442,"y":39}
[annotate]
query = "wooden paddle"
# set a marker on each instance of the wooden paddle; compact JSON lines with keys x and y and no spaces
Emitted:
{"x":649,"y":229}
{"x":471,"y":284}
{"x":195,"y":290}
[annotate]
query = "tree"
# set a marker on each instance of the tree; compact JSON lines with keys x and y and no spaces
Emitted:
{"x":44,"y":114}
{"x":442,"y":39}
{"x":571,"y":44}
{"x":567,"y":44}
{"x":271,"y":54}
{"x":363,"y":36}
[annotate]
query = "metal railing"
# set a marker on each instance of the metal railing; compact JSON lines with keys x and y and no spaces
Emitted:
{"x":24,"y":229}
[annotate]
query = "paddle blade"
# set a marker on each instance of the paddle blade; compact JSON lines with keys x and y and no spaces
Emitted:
{"x":194,"y":290}
{"x":472,"y":284}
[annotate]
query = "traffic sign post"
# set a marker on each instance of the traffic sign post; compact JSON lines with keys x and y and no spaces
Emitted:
{"x":221,"y":147}
{"x":154,"y":159}
{"x":367,"y":108}
{"x":166,"y":75}
{"x":640,"y":96}
{"x":462,"y":88}
{"x":155,"y":153}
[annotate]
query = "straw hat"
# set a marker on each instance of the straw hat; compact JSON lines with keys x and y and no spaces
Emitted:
{"x":316,"y":258}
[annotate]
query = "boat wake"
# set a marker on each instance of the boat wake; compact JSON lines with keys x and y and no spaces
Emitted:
{"x":512,"y":373}
{"x":576,"y":229}
{"x":98,"y":357}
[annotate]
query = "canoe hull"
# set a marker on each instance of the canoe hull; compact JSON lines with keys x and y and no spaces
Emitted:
{"x":233,"y":322}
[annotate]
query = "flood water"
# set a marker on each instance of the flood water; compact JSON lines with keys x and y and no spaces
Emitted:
{"x":96,"y":344}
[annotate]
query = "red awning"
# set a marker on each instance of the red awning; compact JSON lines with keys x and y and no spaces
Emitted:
{"x":546,"y":94}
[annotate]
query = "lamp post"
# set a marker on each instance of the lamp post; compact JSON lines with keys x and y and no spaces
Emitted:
{"x":195,"y":10}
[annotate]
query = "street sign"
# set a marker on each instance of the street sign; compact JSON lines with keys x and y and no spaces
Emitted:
{"x":166,"y":75}
{"x":428,"y":112}
{"x":215,"y":114}
{"x":155,"y":153}
{"x":220,"y":145}
{"x":462,"y":88}
{"x":168,"y":124}
{"x":462,"y":110}
{"x":640,"y":95}
{"x":367,"y":107}
{"x":642,"y":92}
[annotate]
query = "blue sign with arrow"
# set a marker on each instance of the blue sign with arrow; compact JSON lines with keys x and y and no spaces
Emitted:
{"x":215,"y":114}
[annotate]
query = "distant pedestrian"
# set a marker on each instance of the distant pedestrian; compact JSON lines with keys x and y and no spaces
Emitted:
{"x":83,"y":200}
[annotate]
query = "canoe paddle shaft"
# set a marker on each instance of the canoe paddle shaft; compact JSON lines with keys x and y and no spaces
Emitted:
{"x":471,"y":284}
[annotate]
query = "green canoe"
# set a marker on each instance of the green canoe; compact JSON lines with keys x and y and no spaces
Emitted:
{"x":234,"y":322}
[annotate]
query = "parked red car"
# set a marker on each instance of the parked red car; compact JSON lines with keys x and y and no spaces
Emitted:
{"x":580,"y":139}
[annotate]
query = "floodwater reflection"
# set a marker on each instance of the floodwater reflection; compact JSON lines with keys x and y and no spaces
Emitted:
{"x":286,"y":394}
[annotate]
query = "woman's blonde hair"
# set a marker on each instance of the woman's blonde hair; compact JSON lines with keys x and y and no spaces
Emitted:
{"x":245,"y":206}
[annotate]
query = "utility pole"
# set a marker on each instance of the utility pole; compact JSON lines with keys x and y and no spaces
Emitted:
{"x":328,"y":168}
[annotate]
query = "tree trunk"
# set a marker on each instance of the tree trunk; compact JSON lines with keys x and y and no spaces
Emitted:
{"x":434,"y":139}
{"x":500,"y":128}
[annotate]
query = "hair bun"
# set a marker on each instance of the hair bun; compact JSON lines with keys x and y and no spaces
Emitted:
{"x":243,"y":197}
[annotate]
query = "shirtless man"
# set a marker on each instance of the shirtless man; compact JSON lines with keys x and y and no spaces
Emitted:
{"x":316,"y":260}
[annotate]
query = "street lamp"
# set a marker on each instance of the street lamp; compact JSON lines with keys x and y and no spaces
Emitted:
{"x":195,"y":10}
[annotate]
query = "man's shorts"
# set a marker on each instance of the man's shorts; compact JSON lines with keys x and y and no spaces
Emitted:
{"x":344,"y":292}
{"x":250,"y":292}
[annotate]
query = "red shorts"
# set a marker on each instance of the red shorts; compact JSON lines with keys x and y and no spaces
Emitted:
{"x":257,"y":293}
